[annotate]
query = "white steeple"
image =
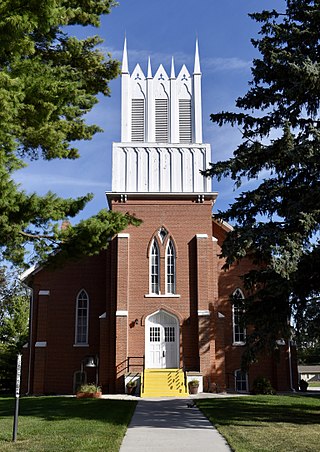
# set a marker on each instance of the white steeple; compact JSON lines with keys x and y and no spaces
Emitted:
{"x":150,"y":132}
{"x":197,"y":104}
{"x":196,"y":69}
{"x":161,"y":149}
{"x":172,"y":73}
{"x":125,"y":96}
{"x":124,"y":67}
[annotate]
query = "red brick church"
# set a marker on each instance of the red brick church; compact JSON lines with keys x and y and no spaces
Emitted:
{"x":155,"y":305}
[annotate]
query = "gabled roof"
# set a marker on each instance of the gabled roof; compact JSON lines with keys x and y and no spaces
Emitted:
{"x":223,"y":224}
{"x":26,"y":275}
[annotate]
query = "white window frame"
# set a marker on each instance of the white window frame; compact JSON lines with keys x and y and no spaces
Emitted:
{"x":170,"y":286}
{"x":154,"y":288}
{"x":86,"y":326}
{"x":237,"y":380}
{"x":238,"y":330}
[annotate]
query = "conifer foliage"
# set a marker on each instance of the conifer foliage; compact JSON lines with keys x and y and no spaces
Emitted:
{"x":49,"y":80}
{"x":277,"y":222}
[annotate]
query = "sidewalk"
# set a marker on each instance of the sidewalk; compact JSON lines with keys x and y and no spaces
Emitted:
{"x":165,"y":424}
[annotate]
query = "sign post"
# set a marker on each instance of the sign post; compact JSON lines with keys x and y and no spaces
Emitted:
{"x":16,"y":411}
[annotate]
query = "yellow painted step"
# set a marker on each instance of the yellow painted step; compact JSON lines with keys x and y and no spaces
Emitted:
{"x":163,"y":382}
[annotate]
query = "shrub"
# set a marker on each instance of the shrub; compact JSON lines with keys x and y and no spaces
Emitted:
{"x":262,"y":385}
{"x":89,"y":388}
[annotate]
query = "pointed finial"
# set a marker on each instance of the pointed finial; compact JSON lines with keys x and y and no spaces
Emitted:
{"x":172,"y":75}
{"x":149,"y":71}
{"x":124,"y":68}
{"x":197,"y":69}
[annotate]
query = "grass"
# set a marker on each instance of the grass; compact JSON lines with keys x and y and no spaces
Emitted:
{"x":314,"y":384}
{"x":266,"y":423}
{"x":65,"y":424}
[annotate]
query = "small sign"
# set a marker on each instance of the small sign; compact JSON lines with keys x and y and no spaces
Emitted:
{"x":16,"y":410}
{"x":18,"y":378}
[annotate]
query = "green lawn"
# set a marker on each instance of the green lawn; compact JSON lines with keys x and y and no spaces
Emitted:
{"x":65,"y":424}
{"x":314,"y":384}
{"x":267,"y":423}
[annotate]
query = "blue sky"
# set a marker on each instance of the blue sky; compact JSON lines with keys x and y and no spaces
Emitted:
{"x":161,"y":30}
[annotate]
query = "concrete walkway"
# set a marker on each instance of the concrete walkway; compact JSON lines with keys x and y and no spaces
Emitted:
{"x":169,"y":424}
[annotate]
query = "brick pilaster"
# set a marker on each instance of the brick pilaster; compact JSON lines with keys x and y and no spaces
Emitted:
{"x":122,"y":308}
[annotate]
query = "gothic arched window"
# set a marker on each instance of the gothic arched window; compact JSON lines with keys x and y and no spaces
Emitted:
{"x":170,"y":268}
{"x":239,"y":331}
{"x":154,"y":268}
{"x":162,"y":264}
{"x":82,"y":318}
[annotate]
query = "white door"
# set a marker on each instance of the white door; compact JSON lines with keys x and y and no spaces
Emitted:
{"x":162,"y":341}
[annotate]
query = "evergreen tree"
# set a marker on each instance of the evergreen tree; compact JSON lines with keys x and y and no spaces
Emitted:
{"x":48,"y":82}
{"x":277,"y":222}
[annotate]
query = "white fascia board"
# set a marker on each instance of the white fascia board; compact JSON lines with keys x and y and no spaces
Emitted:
{"x":203,"y":313}
{"x":41,"y":344}
{"x":122,"y":313}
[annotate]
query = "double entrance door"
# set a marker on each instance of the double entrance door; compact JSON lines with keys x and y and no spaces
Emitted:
{"x":162,"y":341}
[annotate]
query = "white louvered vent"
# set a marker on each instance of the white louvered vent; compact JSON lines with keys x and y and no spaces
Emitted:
{"x":162,"y":121}
{"x":185,"y":123}
{"x":137,"y":129}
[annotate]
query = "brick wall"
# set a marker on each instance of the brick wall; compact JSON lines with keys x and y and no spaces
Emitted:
{"x":117,"y":282}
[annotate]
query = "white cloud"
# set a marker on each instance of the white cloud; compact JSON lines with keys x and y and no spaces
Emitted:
{"x":209,"y":64}
{"x":45,"y":180}
{"x":225,"y":64}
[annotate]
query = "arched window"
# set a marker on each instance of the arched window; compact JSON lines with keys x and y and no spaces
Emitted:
{"x":82,"y":318}
{"x":171,"y":268}
{"x":239,"y":331}
{"x":154,"y":268}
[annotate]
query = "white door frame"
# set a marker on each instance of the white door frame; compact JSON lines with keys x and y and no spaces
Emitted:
{"x":167,"y":342}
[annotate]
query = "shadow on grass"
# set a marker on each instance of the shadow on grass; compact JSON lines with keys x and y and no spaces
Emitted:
{"x":293,"y":409}
{"x":114,"y":412}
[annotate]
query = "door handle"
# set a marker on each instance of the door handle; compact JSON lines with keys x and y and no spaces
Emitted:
{"x":163,"y":354}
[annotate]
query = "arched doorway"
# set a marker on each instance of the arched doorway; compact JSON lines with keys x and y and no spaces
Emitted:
{"x":162,"y":341}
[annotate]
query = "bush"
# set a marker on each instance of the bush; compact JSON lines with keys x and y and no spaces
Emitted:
{"x":89,"y":388}
{"x":262,"y":385}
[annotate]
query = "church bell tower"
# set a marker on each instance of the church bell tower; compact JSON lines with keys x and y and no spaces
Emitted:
{"x":164,"y":269}
{"x":161,"y":149}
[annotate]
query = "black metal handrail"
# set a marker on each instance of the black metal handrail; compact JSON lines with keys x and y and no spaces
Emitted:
{"x":130,"y":358}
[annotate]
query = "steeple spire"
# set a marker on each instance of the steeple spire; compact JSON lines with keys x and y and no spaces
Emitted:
{"x":197,"y":108}
{"x":172,"y":75}
{"x":196,"y":69}
{"x":149,"y":71}
{"x":124,"y":68}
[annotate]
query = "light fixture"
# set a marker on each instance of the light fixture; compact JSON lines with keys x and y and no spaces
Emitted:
{"x":90,"y":362}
